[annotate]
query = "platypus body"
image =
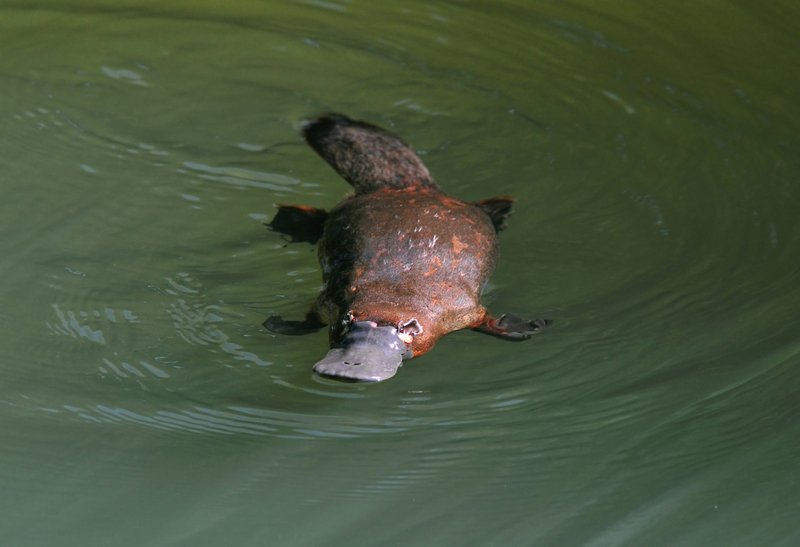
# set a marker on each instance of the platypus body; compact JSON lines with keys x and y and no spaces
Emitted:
{"x":403,"y":263}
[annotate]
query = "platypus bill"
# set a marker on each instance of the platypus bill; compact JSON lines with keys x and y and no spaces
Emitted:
{"x":403,"y":263}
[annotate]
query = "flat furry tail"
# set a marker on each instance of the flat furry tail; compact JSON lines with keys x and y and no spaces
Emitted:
{"x":366,"y":156}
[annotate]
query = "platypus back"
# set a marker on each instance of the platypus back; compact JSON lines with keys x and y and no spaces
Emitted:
{"x":365,"y":155}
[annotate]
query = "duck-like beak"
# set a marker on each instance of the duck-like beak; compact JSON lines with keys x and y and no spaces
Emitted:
{"x":367,"y":353}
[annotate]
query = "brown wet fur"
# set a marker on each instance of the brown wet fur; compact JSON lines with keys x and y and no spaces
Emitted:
{"x":395,"y":255}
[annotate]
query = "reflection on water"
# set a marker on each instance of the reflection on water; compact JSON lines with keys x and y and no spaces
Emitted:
{"x":70,"y":325}
{"x":653,"y":156}
{"x":243,"y":177}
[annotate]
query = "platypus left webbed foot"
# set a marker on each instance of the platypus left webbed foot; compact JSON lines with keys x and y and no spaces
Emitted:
{"x":499,"y":209}
{"x":512,"y":327}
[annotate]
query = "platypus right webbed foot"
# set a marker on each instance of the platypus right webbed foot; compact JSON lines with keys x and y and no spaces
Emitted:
{"x":512,"y":327}
{"x":299,"y":222}
{"x":278,"y":325}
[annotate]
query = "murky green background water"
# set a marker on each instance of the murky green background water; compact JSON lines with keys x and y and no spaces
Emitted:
{"x":653,"y":149}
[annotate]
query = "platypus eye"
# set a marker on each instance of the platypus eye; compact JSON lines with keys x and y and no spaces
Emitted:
{"x":412,"y":327}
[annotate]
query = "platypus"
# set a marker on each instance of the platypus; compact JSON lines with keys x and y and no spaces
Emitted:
{"x":403,"y":263}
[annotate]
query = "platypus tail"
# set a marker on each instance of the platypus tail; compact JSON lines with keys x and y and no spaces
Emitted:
{"x":366,"y":156}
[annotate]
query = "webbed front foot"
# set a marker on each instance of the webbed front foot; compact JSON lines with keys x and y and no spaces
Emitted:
{"x":278,"y":325}
{"x":512,"y":327}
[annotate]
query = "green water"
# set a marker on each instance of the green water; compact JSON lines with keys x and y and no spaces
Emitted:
{"x":653,"y":149}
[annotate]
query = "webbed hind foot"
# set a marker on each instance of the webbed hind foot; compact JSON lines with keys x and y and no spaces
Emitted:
{"x":299,"y":222}
{"x":512,"y":327}
{"x":499,"y":209}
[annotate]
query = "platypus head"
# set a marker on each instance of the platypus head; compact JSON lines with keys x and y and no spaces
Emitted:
{"x":366,"y":353}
